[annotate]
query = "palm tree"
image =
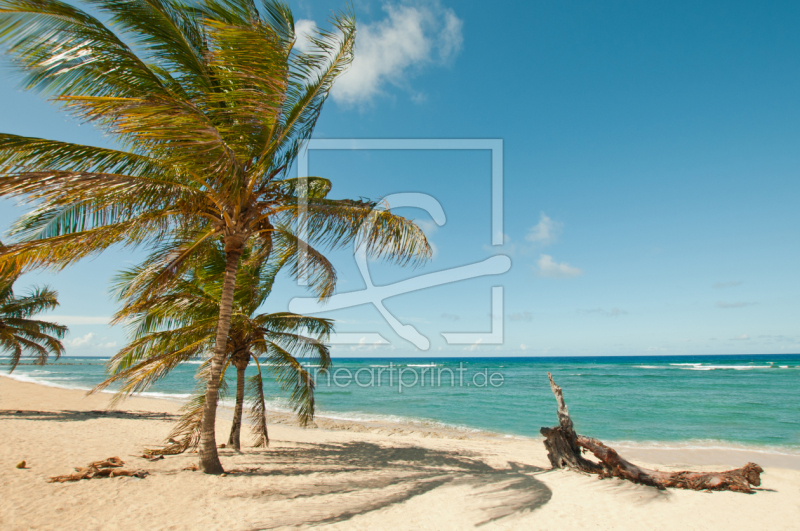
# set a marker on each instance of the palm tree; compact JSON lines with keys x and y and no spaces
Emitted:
{"x":19,"y":334}
{"x":180,"y":325}
{"x":276,"y":337}
{"x":210,"y":106}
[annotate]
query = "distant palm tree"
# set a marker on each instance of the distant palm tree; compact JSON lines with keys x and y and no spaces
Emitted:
{"x":211,"y":105}
{"x":280,"y":338}
{"x":19,"y":334}
{"x":180,"y":325}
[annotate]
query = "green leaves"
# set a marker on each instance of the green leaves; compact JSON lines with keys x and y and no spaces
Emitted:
{"x":209,"y":106}
{"x":212,"y":104}
{"x":19,"y":333}
{"x":310,"y":83}
{"x":170,"y":34}
{"x":65,"y":51}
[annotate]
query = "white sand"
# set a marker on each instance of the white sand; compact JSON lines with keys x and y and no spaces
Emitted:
{"x":351,"y":477}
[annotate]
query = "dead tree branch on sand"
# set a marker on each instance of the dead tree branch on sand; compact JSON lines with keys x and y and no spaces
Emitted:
{"x":564,"y":448}
{"x":108,"y":468}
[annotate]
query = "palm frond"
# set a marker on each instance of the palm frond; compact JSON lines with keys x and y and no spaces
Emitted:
{"x":19,"y":152}
{"x":313,"y":75}
{"x":304,"y":261}
{"x":19,"y":333}
{"x":186,"y":433}
{"x":58,"y":252}
{"x":335,"y":223}
{"x":171,"y":36}
{"x":293,"y":377}
{"x":249,"y":64}
{"x":64,"y":50}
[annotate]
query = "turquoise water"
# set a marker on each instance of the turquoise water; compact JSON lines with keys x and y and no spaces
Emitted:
{"x":664,"y":401}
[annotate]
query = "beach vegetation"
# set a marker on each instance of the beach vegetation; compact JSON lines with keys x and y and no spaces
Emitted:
{"x":209,"y":104}
{"x":20,"y":333}
{"x":180,"y":325}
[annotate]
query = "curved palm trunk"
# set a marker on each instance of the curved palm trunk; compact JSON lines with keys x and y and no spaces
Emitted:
{"x":209,"y":460}
{"x":234,"y":439}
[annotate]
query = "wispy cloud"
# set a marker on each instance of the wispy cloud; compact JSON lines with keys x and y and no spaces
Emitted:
{"x":728,"y":305}
{"x":89,"y":341}
{"x":742,"y":337}
{"x":303,"y":29}
{"x":545,"y":232}
{"x":549,"y":268}
{"x":392,"y":50}
{"x":613,"y":312}
{"x":429,"y":227}
{"x":475,"y":345}
{"x":521,"y":316}
{"x":450,"y":316}
{"x":723,"y":285}
{"x":780,"y":338}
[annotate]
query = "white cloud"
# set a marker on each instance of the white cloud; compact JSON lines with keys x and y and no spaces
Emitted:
{"x":741,"y":337}
{"x":549,"y":268}
{"x":303,"y":28}
{"x":78,"y":319}
{"x":434,"y":250}
{"x":429,"y":227}
{"x":81,"y":341}
{"x":412,"y":35}
{"x":546,"y":231}
{"x":523,"y":346}
{"x":475,"y":345}
{"x":89,"y":341}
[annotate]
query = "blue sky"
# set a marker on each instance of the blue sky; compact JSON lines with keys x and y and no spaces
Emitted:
{"x":651,"y":170}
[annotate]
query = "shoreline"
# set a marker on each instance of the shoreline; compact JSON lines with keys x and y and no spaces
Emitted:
{"x":667,"y":453}
{"x":339,"y":475}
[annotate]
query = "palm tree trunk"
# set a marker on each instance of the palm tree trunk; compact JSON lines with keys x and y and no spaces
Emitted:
{"x":236,"y":429}
{"x":209,"y":460}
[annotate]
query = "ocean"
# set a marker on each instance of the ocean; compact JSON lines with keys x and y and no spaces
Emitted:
{"x":749,"y":402}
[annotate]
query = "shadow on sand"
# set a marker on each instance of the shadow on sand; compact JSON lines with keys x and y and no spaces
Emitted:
{"x":68,"y":415}
{"x":341,"y":481}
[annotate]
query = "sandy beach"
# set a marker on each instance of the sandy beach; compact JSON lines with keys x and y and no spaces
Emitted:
{"x":339,"y":475}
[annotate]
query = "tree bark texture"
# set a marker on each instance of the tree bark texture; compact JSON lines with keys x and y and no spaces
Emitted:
{"x":234,"y":440}
{"x":209,"y":459}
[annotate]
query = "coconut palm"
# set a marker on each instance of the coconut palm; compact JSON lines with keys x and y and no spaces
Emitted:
{"x":19,"y":334}
{"x":209,"y":105}
{"x":180,"y":325}
{"x":280,"y":338}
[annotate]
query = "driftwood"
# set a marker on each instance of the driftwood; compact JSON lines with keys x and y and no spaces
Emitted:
{"x":108,"y":468}
{"x":564,"y":449}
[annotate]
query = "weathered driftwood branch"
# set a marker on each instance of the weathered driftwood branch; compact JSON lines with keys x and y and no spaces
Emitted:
{"x":564,"y":448}
{"x":561,"y":441}
{"x":108,"y":468}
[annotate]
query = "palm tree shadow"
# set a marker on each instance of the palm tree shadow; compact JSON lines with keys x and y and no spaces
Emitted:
{"x":77,"y":416}
{"x":355,"y":478}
